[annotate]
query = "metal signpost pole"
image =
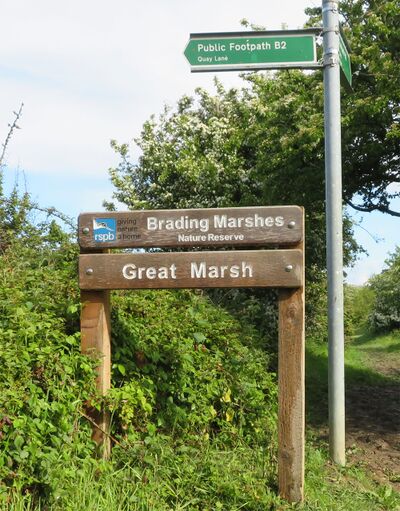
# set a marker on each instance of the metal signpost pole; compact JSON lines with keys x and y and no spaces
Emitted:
{"x":333,"y":176}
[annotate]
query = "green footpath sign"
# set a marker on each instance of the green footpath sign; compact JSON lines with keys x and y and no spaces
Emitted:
{"x":344,"y":61}
{"x":233,"y":51}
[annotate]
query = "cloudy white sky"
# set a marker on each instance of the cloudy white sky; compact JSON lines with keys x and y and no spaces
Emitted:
{"x":89,"y":71}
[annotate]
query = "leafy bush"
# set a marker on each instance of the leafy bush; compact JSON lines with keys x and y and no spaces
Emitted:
{"x":183,"y":365}
{"x":44,"y":379}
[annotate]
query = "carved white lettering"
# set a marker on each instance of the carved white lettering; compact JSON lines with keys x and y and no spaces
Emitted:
{"x":202,"y":271}
{"x":132,"y":272}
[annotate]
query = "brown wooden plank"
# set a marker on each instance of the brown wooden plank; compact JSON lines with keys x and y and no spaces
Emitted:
{"x":291,"y":414}
{"x":277,"y":225}
{"x":257,"y":268}
{"x":95,"y":342}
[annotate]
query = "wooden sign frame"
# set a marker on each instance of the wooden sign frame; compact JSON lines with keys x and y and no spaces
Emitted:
{"x":282,"y":269}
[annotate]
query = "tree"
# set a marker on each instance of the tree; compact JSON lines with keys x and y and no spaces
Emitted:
{"x":370,"y":116}
{"x":261,"y":145}
{"x":264,"y":144}
{"x":256,"y":146}
{"x":386,"y":287}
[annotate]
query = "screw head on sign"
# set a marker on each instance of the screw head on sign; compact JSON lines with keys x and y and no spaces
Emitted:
{"x":291,"y":224}
{"x":89,"y":271}
{"x":86,"y":230}
{"x":289,"y":268}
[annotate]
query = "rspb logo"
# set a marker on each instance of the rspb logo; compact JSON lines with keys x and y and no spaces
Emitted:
{"x":104,"y":229}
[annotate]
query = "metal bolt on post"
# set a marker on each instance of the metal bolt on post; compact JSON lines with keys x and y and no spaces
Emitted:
{"x":333,"y":178}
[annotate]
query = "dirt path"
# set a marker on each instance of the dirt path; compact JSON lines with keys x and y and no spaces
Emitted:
{"x":372,"y":414}
{"x":373,"y":417}
{"x":373,"y":430}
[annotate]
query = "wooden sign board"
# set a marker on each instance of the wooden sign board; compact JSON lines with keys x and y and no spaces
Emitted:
{"x":261,"y":268}
{"x":276,"y":225}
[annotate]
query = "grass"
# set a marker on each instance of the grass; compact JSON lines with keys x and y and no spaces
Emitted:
{"x":379,"y":354}
{"x":209,"y":479}
{"x":163,"y":477}
{"x":329,"y":487}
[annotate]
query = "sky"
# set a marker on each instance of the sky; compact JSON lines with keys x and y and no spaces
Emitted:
{"x":89,"y":71}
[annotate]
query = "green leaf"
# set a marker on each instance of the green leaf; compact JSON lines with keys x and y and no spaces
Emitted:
{"x":19,"y":442}
{"x":121,"y":369}
{"x":199,"y":337}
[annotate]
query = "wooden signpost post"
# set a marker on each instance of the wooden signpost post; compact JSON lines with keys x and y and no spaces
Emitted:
{"x":275,"y":226}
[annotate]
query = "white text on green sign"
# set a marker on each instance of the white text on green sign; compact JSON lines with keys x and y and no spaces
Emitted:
{"x":252,"y":50}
